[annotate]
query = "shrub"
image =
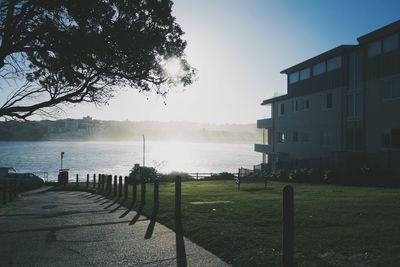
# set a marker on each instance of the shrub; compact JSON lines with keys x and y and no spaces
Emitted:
{"x":138,"y":173}
{"x":170,"y":177}
{"x":221,"y":176}
{"x":306,"y":175}
{"x":278,"y":175}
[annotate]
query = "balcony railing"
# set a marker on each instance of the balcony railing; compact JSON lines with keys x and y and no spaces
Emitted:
{"x":263,"y":148}
{"x":264,"y":123}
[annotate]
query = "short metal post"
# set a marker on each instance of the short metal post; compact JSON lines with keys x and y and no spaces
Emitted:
{"x":115,"y":186}
{"x":120,"y":187}
{"x":87,"y":181}
{"x":77,"y":179}
{"x":94,"y":180}
{"x":288,"y":227}
{"x":126,"y":187}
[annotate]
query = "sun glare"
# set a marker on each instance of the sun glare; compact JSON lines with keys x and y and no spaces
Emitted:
{"x":173,"y":67}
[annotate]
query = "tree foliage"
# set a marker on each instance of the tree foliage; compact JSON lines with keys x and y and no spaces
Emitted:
{"x":54,"y":52}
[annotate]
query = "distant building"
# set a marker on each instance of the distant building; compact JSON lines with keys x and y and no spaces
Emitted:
{"x":71,"y":125}
{"x":342,"y":107}
{"x":87,"y":119}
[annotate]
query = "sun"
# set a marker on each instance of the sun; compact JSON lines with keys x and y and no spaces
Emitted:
{"x":173,"y":67}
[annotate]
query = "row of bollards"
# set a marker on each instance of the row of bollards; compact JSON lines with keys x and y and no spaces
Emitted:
{"x":113,"y":187}
{"x":9,"y":190}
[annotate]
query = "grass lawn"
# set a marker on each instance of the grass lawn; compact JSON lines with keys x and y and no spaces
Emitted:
{"x":334,"y":225}
{"x":4,"y":207}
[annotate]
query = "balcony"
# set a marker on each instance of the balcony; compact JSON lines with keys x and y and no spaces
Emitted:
{"x":263,"y":148}
{"x":264,"y":123}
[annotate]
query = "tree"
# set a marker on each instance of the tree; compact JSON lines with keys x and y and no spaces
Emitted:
{"x":55,"y":52}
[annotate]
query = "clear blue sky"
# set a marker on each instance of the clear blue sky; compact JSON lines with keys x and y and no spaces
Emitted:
{"x":239,"y":48}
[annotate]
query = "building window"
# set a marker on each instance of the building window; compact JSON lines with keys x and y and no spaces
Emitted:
{"x":391,"y":138}
{"x":327,"y":101}
{"x":306,"y":104}
{"x":319,"y":68}
{"x":354,"y":138}
{"x":334,"y":63}
{"x":295,"y":137}
{"x":326,"y":139}
{"x":390,"y":43}
{"x":280,"y":137}
{"x":396,"y":138}
{"x":386,"y":138}
{"x":305,"y":74}
{"x":281,"y":109}
{"x":293,"y":77}
{"x":296,"y":105}
{"x":350,"y":105}
{"x":391,"y":89}
{"x":305,"y":137}
{"x":374,"y":49}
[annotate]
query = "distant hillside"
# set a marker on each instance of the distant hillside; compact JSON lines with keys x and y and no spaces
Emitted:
{"x":87,"y":129}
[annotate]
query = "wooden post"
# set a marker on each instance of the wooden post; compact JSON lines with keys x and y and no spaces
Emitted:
{"x":110,"y":186}
{"x":10,"y":194}
{"x":197,"y":176}
{"x":105,"y":183}
{"x":94,"y":180}
{"x":134,"y":191}
{"x":115,"y":186}
{"x":77,"y":179}
{"x":156,"y":203}
{"x":87,"y":181}
{"x":102,"y":182}
{"x":15,"y":188}
{"x":180,"y":244}
{"x":288,"y":227}
{"x":109,"y":181}
{"x":126,"y":187}
{"x":143,"y":192}
{"x":4,"y":192}
{"x":120,"y":187}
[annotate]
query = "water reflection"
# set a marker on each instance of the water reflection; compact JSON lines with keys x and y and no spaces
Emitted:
{"x":119,"y":157}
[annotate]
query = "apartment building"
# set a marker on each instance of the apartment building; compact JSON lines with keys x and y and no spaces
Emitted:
{"x":342,"y":107}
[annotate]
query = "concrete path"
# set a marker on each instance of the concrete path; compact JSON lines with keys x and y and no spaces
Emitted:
{"x":74,"y":229}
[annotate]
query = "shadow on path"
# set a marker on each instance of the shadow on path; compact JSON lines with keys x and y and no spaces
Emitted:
{"x":138,"y":214}
{"x":115,"y":202}
{"x":119,"y":206}
{"x":58,"y":228}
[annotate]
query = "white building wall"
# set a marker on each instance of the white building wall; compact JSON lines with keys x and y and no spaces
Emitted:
{"x":313,"y":122}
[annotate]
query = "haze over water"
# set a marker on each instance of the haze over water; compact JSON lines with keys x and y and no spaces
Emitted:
{"x":118,"y":158}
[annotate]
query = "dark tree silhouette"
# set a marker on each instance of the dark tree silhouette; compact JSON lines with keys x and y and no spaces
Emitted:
{"x":56,"y":52}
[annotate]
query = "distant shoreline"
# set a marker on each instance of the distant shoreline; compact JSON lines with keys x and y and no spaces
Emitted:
{"x":136,"y":140}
